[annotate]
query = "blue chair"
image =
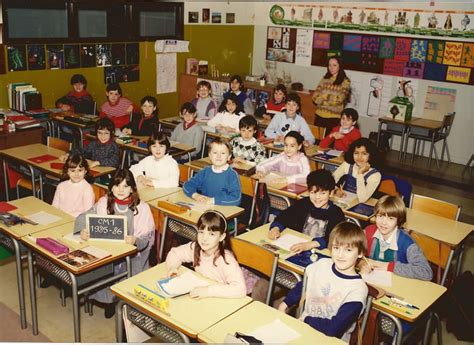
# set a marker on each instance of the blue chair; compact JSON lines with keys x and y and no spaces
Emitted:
{"x":404,"y":188}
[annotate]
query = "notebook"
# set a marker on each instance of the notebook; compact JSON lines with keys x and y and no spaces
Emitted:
{"x":294,"y":188}
{"x":42,"y":159}
{"x":181,"y":285}
{"x":303,"y":259}
{"x":363,"y":209}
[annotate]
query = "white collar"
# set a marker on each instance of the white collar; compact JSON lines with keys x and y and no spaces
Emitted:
{"x":219,"y":170}
{"x":392,"y":243}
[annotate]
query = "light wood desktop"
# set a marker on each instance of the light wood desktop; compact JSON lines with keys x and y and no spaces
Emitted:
{"x":25,"y":207}
{"x":186,"y":315}
{"x":60,"y":119}
{"x":23,"y":154}
{"x":310,"y":151}
{"x":257,"y":314}
{"x":191,"y":217}
{"x":81,"y":279}
{"x":150,"y":193}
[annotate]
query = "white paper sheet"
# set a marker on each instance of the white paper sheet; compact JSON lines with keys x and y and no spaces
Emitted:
{"x":346,"y":200}
{"x":43,"y":218}
{"x":166,"y":73}
{"x":378,"y":278}
{"x":182,"y":284}
{"x":336,"y":153}
{"x":76,"y":238}
{"x":286,"y":241}
{"x":275,"y":332}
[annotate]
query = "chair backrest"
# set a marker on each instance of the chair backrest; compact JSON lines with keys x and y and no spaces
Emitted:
{"x":59,"y":144}
{"x":317,"y":131}
{"x":99,"y":191}
{"x":353,"y":220}
{"x":435,"y":206}
{"x":258,"y":259}
{"x":248,"y":185}
{"x":388,"y":187}
{"x":183,"y":173}
{"x":447,"y":123}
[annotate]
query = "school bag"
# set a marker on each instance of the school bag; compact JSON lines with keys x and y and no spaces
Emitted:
{"x":262,"y":207}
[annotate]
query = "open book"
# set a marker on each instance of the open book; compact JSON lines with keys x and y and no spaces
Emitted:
{"x":84,"y":256}
{"x":181,"y":285}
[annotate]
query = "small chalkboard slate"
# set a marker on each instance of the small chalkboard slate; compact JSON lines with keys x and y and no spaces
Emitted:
{"x":106,"y":227}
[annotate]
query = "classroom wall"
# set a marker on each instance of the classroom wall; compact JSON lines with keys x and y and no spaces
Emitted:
{"x":461,"y":140}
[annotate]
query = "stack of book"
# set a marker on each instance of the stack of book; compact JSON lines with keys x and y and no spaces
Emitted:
{"x":23,"y":97}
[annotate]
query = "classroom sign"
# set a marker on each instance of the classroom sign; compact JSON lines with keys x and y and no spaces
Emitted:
{"x":106,"y":227}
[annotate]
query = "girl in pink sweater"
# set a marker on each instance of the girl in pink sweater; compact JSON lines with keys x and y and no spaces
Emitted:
{"x":211,"y":256}
{"x":74,"y":195}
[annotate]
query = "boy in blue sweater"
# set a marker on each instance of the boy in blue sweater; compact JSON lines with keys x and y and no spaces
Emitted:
{"x":335,"y":294}
{"x":217,"y":184}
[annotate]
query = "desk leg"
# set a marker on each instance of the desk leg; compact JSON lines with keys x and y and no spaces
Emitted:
{"x":119,"y":321}
{"x":81,"y":138}
{"x":75,"y":309}
{"x":448,"y":265}
{"x":163,"y":237}
{"x":5,"y":179}
{"x":459,"y":260}
{"x":19,"y":280}
{"x":124,"y":157}
{"x":378,"y":133}
{"x":129,"y":266}
{"x":203,"y":146}
{"x":402,"y":144}
{"x":34,"y":314}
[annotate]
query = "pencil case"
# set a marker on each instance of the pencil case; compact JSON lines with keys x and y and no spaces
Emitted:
{"x":151,"y":297}
{"x":52,"y":245}
{"x":172,"y":207}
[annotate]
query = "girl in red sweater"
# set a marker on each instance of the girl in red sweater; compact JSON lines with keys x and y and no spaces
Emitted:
{"x":341,"y":137}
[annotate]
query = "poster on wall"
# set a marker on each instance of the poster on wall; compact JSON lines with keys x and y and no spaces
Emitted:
{"x":166,"y":74}
{"x":118,"y":54}
{"x":103,"y":53}
{"x":16,"y":56}
{"x":281,"y":44}
{"x":72,"y":56}
{"x":88,"y":57}
{"x":304,"y":44}
{"x":55,"y":56}
{"x":36,"y":57}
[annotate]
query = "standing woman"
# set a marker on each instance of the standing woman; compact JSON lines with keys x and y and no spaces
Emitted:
{"x":331,"y":95}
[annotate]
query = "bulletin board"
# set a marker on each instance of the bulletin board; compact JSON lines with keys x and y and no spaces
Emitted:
{"x":429,"y":59}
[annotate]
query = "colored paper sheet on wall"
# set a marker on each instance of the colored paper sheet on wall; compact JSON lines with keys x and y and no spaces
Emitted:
{"x":337,"y":40}
{"x":402,"y":49}
{"x":413,"y":69}
{"x":434,"y":71}
{"x":452,"y":53}
{"x":418,"y":50}
{"x":370,"y":44}
{"x":387,"y":47}
{"x":351,"y":60}
{"x":319,"y":57}
{"x":304,"y":41}
{"x":393,"y":67}
{"x":435,"y":51}
{"x":333,"y":52}
{"x":16,"y":56}
{"x":370,"y":62}
{"x":467,"y":59}
{"x":458,"y":74}
{"x":352,"y":43}
{"x":36,"y":57}
{"x":321,"y":40}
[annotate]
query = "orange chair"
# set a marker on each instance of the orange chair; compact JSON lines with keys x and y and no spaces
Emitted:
{"x":388,"y":187}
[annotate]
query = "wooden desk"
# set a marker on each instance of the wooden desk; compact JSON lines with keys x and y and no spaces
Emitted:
{"x":12,"y":235}
{"x":422,"y":294}
{"x":449,"y":231}
{"x":310,"y":152}
{"x":59,"y":118}
{"x":353,"y":202}
{"x":150,"y":193}
{"x":189,"y":317}
{"x":171,"y":122}
{"x":22,"y":155}
{"x":190,"y":219}
{"x":257,"y":314}
{"x":82,"y":279}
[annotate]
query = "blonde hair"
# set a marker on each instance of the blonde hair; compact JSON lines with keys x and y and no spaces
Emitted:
{"x":220,"y":141}
{"x":350,"y":234}
{"x":392,"y":206}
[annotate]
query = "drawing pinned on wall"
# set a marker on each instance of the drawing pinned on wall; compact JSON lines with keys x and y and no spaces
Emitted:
{"x":465,"y":22}
{"x":216,"y":17}
{"x":55,"y":56}
{"x":337,"y":40}
{"x":418,"y":50}
{"x":402,"y":49}
{"x":434,"y":71}
{"x":193,"y":17}
{"x":88,"y":57}
{"x":379,"y":95}
{"x":118,"y":54}
{"x":103,"y":55}
{"x":370,"y":62}
{"x":72,"y":56}
{"x":206,"y":14}
{"x":166,"y":73}
{"x":458,"y":74}
{"x":452,"y":53}
{"x":352,"y":43}
{"x":370,"y":44}
{"x":413,"y":69}
{"x":387,"y":47}
{"x":230,"y":18}
{"x":286,"y":35}
{"x":16,"y":56}
{"x":435,"y":52}
{"x":467,"y":59}
{"x":321,"y":40}
{"x":36,"y":57}
{"x":303,"y":49}
{"x":274,"y":33}
{"x":281,"y":55}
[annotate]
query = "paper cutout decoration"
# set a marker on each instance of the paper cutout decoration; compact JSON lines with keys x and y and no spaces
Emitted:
{"x":321,"y":40}
{"x":370,"y":44}
{"x":393,"y":67}
{"x":387,"y":47}
{"x":55,"y":56}
{"x":413,"y":69}
{"x":16,"y":56}
{"x":402,"y":49}
{"x":36,"y":57}
{"x":467,"y":59}
{"x":337,"y":40}
{"x":72,"y":55}
{"x":352,"y":43}
{"x":370,"y":62}
{"x":351,"y":60}
{"x":418,"y":50}
{"x":452,"y":53}
{"x":458,"y":74}
{"x":435,"y":52}
{"x":319,"y":57}
{"x":434,"y":71}
{"x":88,"y":56}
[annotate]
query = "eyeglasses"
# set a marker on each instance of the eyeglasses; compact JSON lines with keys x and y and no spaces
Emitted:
{"x":285,"y":128}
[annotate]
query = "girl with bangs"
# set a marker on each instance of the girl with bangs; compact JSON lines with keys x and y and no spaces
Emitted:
{"x":122,"y":199}
{"x":210,"y":255}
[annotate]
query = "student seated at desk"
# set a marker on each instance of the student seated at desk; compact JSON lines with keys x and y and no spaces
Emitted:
{"x":78,"y":100}
{"x":117,"y":108}
{"x":159,"y":170}
{"x":103,"y":151}
{"x":122,"y":199}
{"x":276,"y":104}
{"x":389,"y":247}
{"x":229,"y":115}
{"x":236,"y":86}
{"x":190,"y":132}
{"x":290,"y":120}
{"x":211,"y":255}
{"x":335,"y":294}
{"x":361,"y":177}
{"x":206,"y":107}
{"x":74,"y":195}
{"x":246,"y":147}
{"x":292,"y":163}
{"x":342,"y":136}
{"x":146,"y":122}
{"x":216,"y":184}
{"x":314,"y":216}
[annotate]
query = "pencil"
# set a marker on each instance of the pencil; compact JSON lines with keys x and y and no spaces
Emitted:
{"x":368,"y":263}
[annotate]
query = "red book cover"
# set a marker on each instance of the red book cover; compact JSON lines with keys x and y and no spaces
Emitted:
{"x":94,"y":173}
{"x":57,"y":165}
{"x":42,"y":159}
{"x":294,"y":188}
{"x":6,"y":207}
